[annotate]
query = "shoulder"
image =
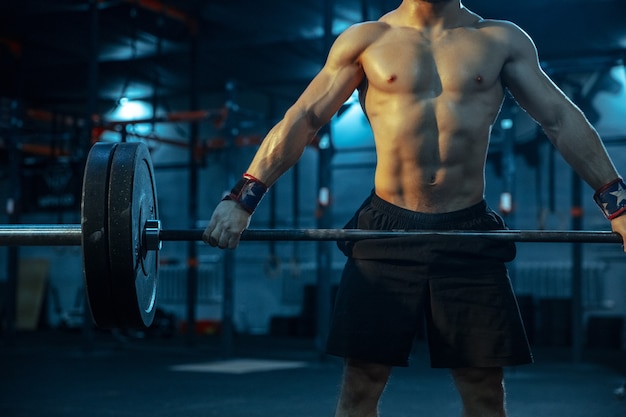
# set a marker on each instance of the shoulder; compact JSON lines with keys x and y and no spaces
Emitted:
{"x":363,"y":33}
{"x":352,"y":42}
{"x":505,"y":31}
{"x":511,"y":38}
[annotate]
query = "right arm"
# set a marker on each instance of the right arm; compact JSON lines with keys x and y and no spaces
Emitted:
{"x":333,"y":85}
{"x":286,"y":141}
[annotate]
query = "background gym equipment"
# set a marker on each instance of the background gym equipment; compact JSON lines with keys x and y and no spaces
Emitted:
{"x":121,"y":235}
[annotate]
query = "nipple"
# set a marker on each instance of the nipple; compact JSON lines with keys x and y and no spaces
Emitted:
{"x":392,"y":78}
{"x":479,"y":79}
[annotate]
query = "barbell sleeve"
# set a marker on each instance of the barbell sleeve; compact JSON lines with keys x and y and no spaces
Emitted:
{"x":40,"y":235}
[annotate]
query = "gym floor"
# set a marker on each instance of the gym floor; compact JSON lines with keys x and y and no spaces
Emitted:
{"x":57,"y":374}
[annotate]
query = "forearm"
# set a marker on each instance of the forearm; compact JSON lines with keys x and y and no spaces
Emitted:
{"x":283,"y":146}
{"x":582,"y":148}
{"x":281,"y":149}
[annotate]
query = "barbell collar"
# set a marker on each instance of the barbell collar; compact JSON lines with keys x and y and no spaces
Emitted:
{"x":151,"y":236}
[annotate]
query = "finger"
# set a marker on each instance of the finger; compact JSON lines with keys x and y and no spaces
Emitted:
{"x":623,"y":239}
{"x":222,"y":241}
{"x":233,"y":242}
{"x":206,"y":235}
{"x":213,"y":238}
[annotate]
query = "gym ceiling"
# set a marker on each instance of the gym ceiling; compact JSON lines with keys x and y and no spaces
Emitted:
{"x":56,"y":55}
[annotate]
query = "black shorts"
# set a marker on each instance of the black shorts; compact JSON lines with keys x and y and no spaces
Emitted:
{"x":459,"y":285}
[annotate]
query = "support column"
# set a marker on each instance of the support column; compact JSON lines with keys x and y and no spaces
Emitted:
{"x":13,"y":213}
{"x":91,"y":110}
{"x":192,"y":250}
{"x":227,"y":327}
{"x":325,"y":219}
{"x":509,"y":167}
{"x":324,"y":249}
{"x":577,"y":272}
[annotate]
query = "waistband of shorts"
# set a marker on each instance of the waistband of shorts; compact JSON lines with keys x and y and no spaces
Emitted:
{"x":465,"y":214}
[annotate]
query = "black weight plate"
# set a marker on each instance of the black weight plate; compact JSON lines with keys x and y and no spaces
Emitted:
{"x":132,"y":201}
{"x":95,"y":241}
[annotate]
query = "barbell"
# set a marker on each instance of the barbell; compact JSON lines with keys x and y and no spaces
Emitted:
{"x":120,"y":235}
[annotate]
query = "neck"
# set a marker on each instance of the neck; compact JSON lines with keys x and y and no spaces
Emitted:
{"x":431,"y":14}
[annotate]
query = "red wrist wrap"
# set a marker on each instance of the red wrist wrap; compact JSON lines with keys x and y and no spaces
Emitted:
{"x":248,"y":193}
{"x":611,"y":198}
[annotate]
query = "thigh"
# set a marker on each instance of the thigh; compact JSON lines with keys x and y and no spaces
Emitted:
{"x":377,"y":312}
{"x":474,"y":321}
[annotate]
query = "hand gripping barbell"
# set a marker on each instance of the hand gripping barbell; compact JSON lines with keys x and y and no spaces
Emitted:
{"x":120,"y":235}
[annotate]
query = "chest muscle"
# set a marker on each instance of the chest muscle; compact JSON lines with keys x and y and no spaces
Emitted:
{"x":406,"y":62}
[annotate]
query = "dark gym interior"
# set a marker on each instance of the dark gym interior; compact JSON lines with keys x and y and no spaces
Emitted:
{"x":241,"y":333}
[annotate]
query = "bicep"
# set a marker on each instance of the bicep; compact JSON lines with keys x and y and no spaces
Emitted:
{"x":327,"y":92}
{"x":530,"y":86}
{"x":341,"y":75}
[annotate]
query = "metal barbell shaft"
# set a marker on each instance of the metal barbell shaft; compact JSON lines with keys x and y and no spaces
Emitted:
{"x":357,"y":234}
{"x":70,"y":235}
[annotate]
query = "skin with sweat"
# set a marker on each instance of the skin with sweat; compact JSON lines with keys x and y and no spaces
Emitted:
{"x":431,"y":77}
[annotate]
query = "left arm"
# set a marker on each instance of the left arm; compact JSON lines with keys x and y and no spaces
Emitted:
{"x":563,"y":122}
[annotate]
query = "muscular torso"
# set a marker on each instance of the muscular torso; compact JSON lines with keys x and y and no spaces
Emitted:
{"x":431,"y":101}
{"x":431,"y":77}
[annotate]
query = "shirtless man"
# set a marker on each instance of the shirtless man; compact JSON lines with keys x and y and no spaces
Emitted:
{"x":432,"y":77}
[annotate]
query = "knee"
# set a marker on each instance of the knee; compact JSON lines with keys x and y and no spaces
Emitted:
{"x":481,"y":389}
{"x":363,"y":382}
{"x":371,"y":370}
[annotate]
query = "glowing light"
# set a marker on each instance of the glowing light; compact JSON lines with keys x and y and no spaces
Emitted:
{"x":506,"y":203}
{"x":352,"y":128}
{"x":324,"y":197}
{"x":130,"y":110}
{"x":324,"y":142}
{"x":506,"y":124}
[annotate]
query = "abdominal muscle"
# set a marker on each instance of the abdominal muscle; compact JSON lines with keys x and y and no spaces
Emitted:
{"x":431,"y":100}
{"x":431,"y":154}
